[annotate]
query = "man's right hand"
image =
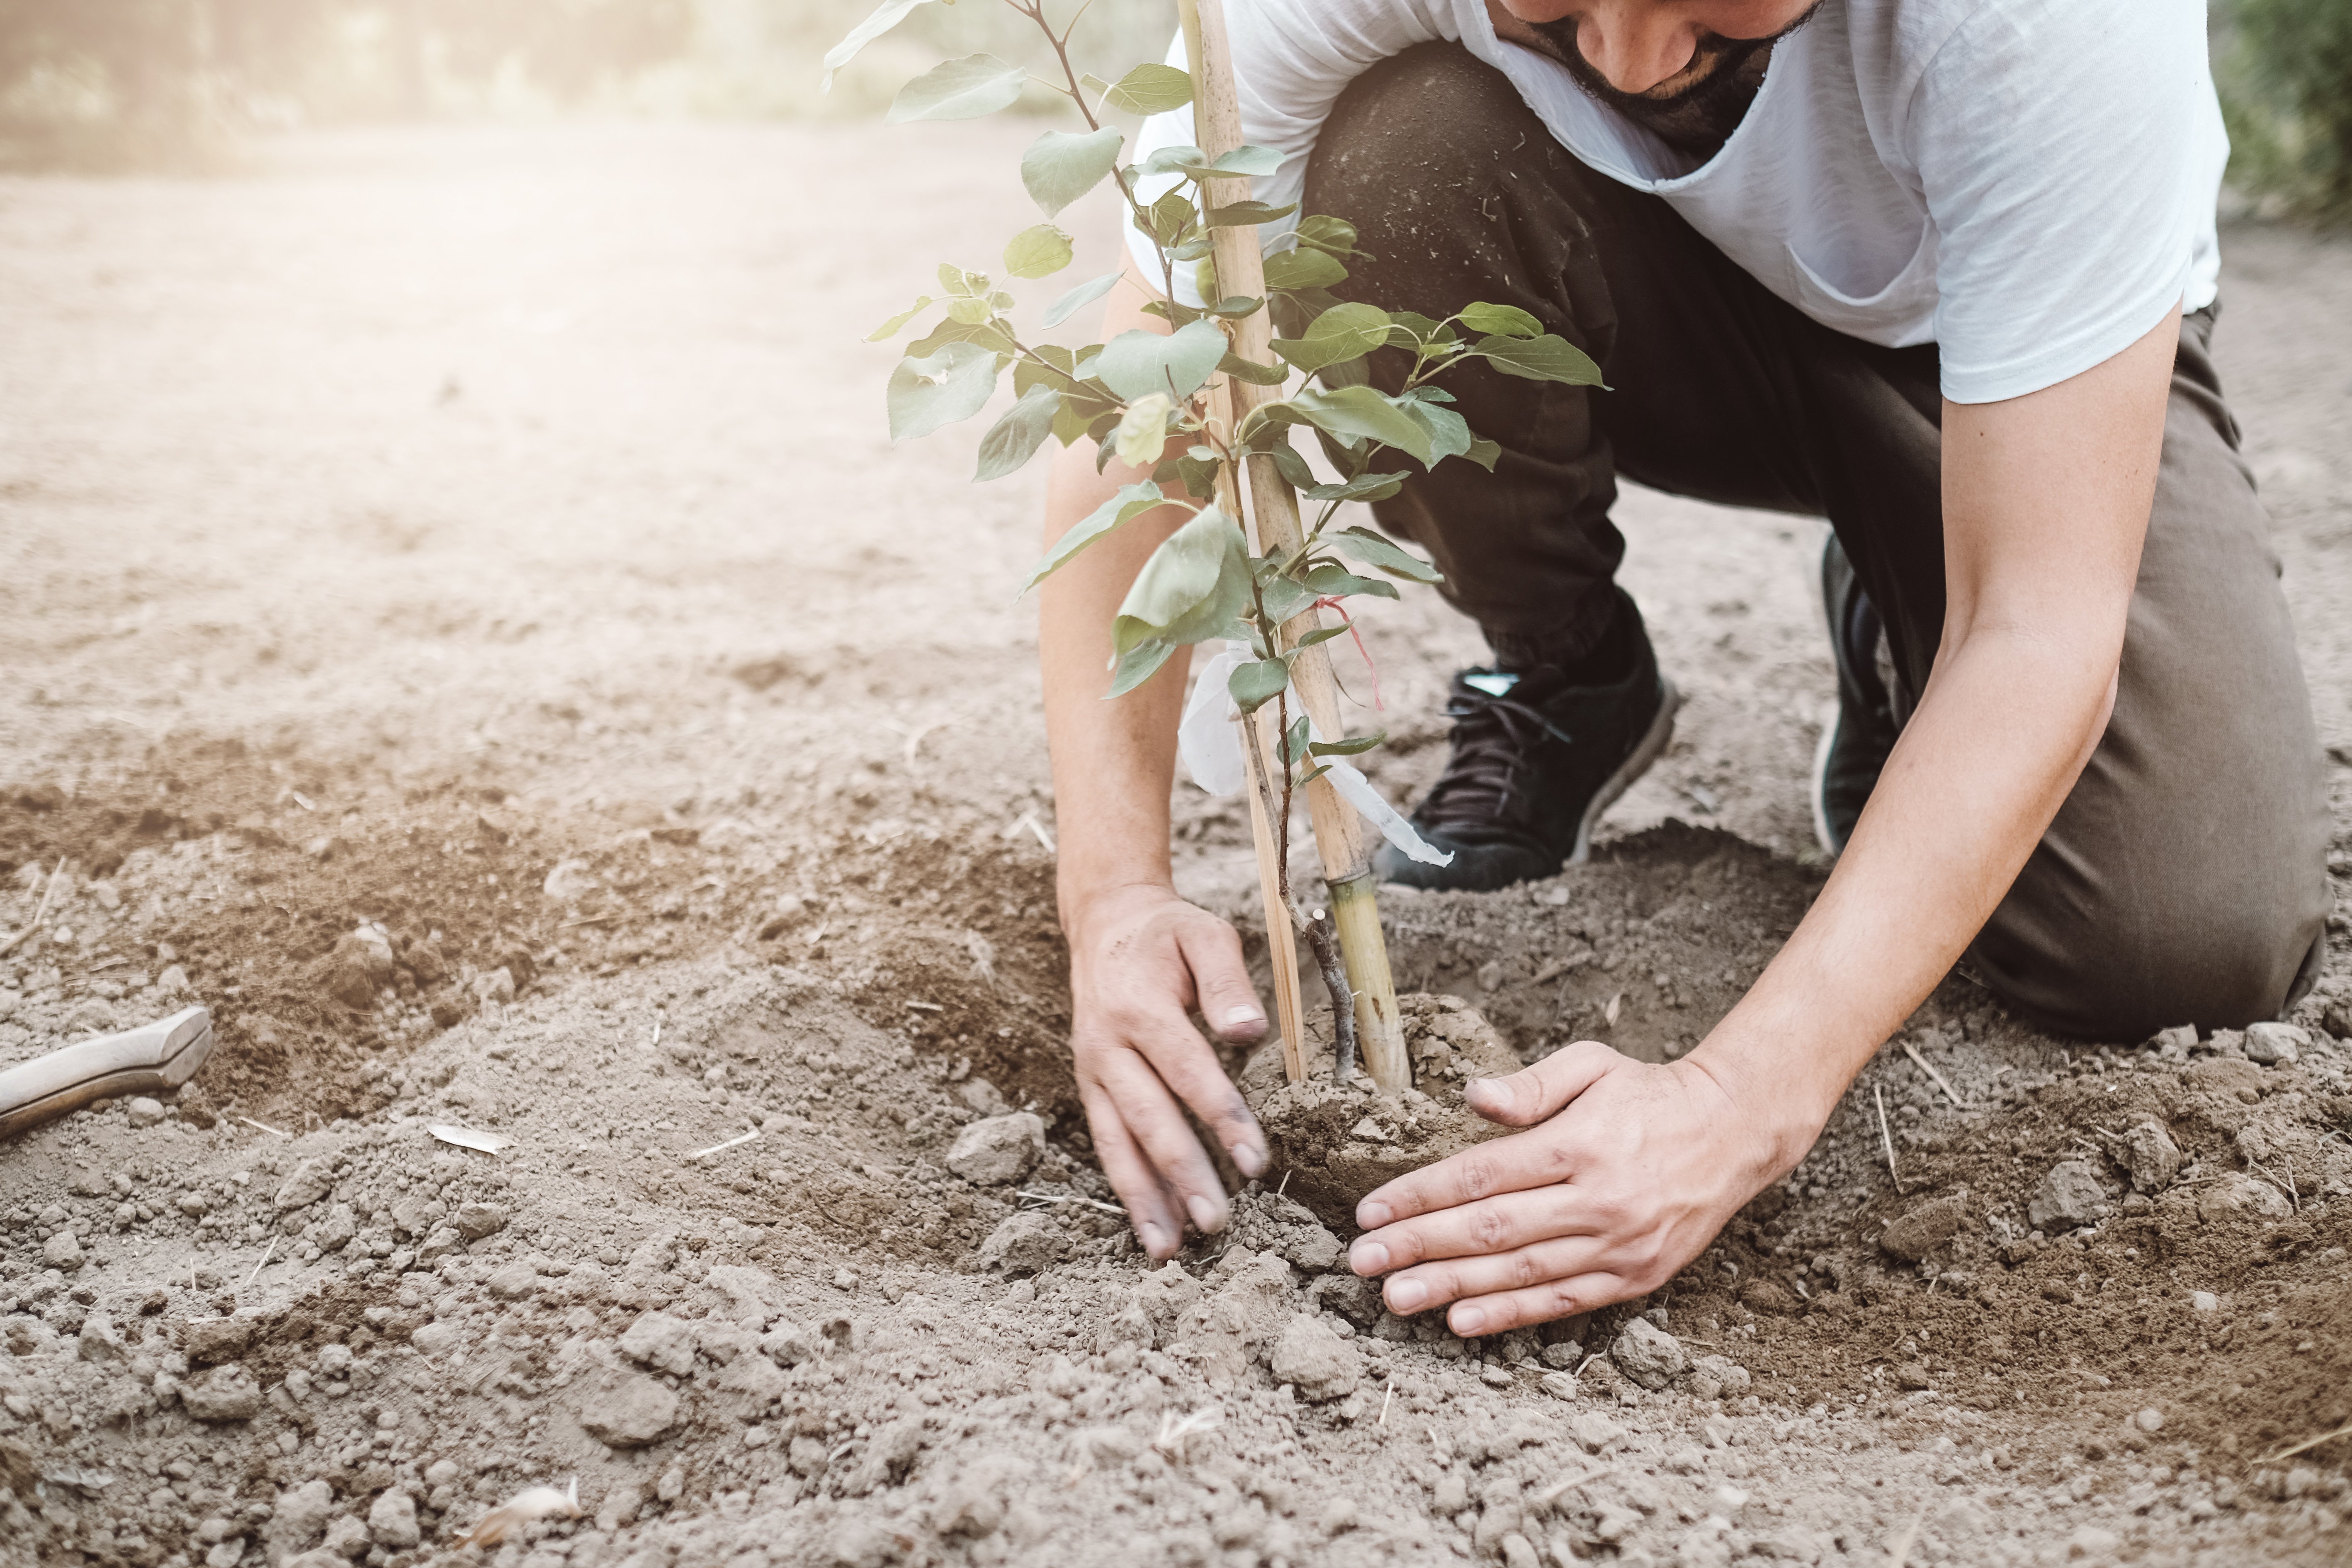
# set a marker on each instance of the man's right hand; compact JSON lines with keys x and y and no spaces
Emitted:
{"x":1141,"y":959}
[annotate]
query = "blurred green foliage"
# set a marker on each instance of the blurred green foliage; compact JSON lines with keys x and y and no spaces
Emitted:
{"x":2284,"y":68}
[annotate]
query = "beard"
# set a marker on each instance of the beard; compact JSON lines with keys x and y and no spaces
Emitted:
{"x":1698,"y":117}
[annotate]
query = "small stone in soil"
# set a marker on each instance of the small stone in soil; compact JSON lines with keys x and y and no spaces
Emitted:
{"x":1319,"y":1362}
{"x":2274,"y":1045}
{"x":626,"y":1409}
{"x":2070,"y":1196}
{"x":997,"y":1150}
{"x":2148,"y":1155}
{"x":1024,"y":1243}
{"x":1648,"y":1354}
{"x":1925,"y":1227}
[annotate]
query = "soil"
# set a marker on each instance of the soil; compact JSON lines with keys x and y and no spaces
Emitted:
{"x":1331,"y":1143}
{"x":465,"y":625}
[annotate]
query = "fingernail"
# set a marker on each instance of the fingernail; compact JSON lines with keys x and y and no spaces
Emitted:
{"x":1155,"y":1240}
{"x":1372,"y":1215}
{"x":1467,"y":1321}
{"x":1248,"y":1159}
{"x":1242,"y":1017}
{"x":1206,"y":1215}
{"x":1368,"y":1257}
{"x":1406,"y":1296}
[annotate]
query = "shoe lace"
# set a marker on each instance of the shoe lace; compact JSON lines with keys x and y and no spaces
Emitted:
{"x":1493,"y":739}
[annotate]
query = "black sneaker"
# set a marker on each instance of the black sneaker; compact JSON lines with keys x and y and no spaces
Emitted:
{"x":1853,"y":750}
{"x":1535,"y":761}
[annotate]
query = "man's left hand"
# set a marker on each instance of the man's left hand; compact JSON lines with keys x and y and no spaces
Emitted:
{"x":1630,"y":1170}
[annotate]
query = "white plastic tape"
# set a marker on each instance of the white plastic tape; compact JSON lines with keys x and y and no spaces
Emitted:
{"x":1209,"y":740}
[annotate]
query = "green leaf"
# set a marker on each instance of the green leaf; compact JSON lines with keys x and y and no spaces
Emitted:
{"x":1294,"y":744}
{"x":962,"y":89}
{"x":1138,"y":665}
{"x":1196,"y":582}
{"x":1341,"y":333}
{"x":1285,"y":599}
{"x":1363,"y":486}
{"x":1303,"y":269}
{"x":1319,"y":635}
{"x":1256,"y":375}
{"x":1290,"y":465}
{"x":1373,"y":550}
{"x":887,"y":15}
{"x":1255,"y":685}
{"x":1137,"y":363}
{"x":1063,"y":165}
{"x":969,"y":310}
{"x":1484,"y":452}
{"x":1038,"y":252}
{"x":1237,"y":215}
{"x":1509,"y":320}
{"x":940,"y":389}
{"x":1335,"y":236}
{"x":989,"y":337}
{"x":1078,"y":298}
{"x":1151,"y":90}
{"x":1167,"y":161}
{"x":1449,"y":433}
{"x":1236,"y":308}
{"x":959,"y":282}
{"x":1240,"y":163}
{"x":890,"y":328}
{"x":1171,"y":215}
{"x":1311,"y":774}
{"x":1361,"y":412}
{"x":1014,"y":438}
{"x":1131,"y":501}
{"x":1354,"y":746}
{"x":1547,"y":358}
{"x":1332,"y":581}
{"x":1143,"y":430}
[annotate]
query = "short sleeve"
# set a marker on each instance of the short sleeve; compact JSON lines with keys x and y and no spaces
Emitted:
{"x":2069,"y":152}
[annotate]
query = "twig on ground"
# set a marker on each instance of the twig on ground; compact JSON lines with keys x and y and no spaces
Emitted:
{"x":732,"y":1143}
{"x":1283,"y":1186}
{"x":1028,"y":819}
{"x":1322,"y":940}
{"x":1898,"y":1551}
{"x":249,"y":1122}
{"x":1386,"y":1400}
{"x":1545,"y":1498}
{"x":1176,"y":1431}
{"x":1886,"y":1137}
{"x":48,"y":891}
{"x":526,"y":1506}
{"x":1949,"y":1093}
{"x":927,"y":1006}
{"x":2306,"y":1444}
{"x":1071,"y":1198}
{"x":268,"y":1254}
{"x":589,"y":921}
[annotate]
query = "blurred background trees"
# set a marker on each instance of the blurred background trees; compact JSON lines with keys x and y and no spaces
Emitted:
{"x":2286,"y":71}
{"x":162,"y":84}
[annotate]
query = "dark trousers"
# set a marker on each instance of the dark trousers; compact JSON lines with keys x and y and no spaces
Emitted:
{"x":2184,"y":880}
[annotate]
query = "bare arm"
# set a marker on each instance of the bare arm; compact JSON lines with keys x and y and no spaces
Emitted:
{"x":1140,"y":956}
{"x":1635,"y":1168}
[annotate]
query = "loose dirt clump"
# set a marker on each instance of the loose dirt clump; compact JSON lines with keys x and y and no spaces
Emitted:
{"x":1333,"y":1143}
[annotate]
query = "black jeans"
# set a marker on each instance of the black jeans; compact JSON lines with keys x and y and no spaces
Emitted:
{"x":2184,"y":880}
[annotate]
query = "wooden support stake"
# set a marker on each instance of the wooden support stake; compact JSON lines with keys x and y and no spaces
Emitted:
{"x":1343,"y":839}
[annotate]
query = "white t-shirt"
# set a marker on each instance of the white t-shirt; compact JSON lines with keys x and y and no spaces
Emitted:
{"x":2030,"y":184}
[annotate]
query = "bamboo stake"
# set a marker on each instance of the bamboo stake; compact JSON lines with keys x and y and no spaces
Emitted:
{"x":1281,"y":942}
{"x":1343,"y":839}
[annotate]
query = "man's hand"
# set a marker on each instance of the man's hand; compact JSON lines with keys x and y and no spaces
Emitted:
{"x":1140,"y":958}
{"x":1630,"y":1174}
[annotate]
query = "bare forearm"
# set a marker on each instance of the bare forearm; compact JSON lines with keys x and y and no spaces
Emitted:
{"x":2003,"y":729}
{"x":2045,"y":501}
{"x":1112,"y":760}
